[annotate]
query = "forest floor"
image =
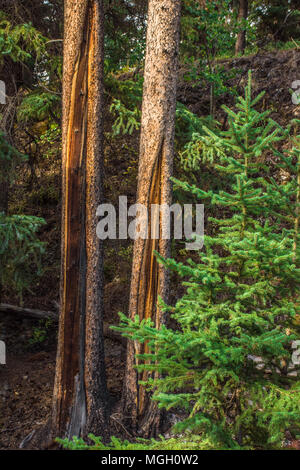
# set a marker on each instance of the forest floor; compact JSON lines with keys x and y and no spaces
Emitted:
{"x":26,"y":381}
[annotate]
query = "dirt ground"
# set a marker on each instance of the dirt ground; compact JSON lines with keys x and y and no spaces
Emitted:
{"x":26,"y":381}
{"x":25,"y":395}
{"x":26,"y":386}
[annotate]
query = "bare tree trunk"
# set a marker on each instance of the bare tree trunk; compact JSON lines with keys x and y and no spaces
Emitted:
{"x":149,"y":279}
{"x":80,"y":397}
{"x":241,"y":38}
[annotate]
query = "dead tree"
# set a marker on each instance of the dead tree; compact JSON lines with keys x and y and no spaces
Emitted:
{"x":80,"y":397}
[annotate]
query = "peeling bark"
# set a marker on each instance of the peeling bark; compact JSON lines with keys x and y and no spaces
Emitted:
{"x":149,"y":279}
{"x":79,"y":402}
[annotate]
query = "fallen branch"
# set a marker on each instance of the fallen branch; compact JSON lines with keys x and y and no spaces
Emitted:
{"x":28,"y":312}
{"x":42,"y":315}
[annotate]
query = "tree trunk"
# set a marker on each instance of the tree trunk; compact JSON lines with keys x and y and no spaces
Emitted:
{"x":149,"y":279}
{"x":80,"y":397}
{"x":241,"y":38}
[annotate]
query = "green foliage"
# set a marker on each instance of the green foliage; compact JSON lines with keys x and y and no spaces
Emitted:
{"x":229,"y":365}
{"x":9,"y":158}
{"x":276,"y":20}
{"x":207,"y":28}
{"x":127,"y":121}
{"x":208,"y":31}
{"x":50,"y":141}
{"x":37,"y":106}
{"x":125,"y":90}
{"x":20,"y":42}
{"x":20,"y":251}
{"x":215,"y":146}
{"x":188,"y":442}
{"x":125,"y":32}
{"x":40,"y":333}
{"x":24,"y":44}
{"x":194,"y":144}
{"x":189,"y":124}
{"x":217,"y":76}
{"x":125,"y":86}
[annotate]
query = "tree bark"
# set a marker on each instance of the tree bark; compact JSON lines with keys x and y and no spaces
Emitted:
{"x":240,"y":45}
{"x":149,"y":279}
{"x":80,"y":396}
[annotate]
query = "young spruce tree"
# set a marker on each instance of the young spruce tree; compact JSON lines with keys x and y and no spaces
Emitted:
{"x":230,"y":363}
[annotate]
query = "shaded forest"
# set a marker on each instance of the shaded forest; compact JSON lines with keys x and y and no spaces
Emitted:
{"x":112,"y":332}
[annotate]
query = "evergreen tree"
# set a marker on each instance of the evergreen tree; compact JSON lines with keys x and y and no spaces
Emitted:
{"x":230,"y":363}
{"x":276,"y":19}
{"x":20,"y":248}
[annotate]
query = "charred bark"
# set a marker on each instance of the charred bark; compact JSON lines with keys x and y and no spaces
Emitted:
{"x":80,"y":397}
{"x":149,"y":279}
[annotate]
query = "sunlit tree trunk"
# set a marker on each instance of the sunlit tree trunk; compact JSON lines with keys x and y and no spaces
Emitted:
{"x":149,"y":279}
{"x":241,"y":38}
{"x":79,"y":403}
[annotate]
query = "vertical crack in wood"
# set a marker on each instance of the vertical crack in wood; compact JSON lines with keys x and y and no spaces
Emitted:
{"x":73,"y":303}
{"x":80,"y":393}
{"x":148,"y":286}
{"x":149,"y":279}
